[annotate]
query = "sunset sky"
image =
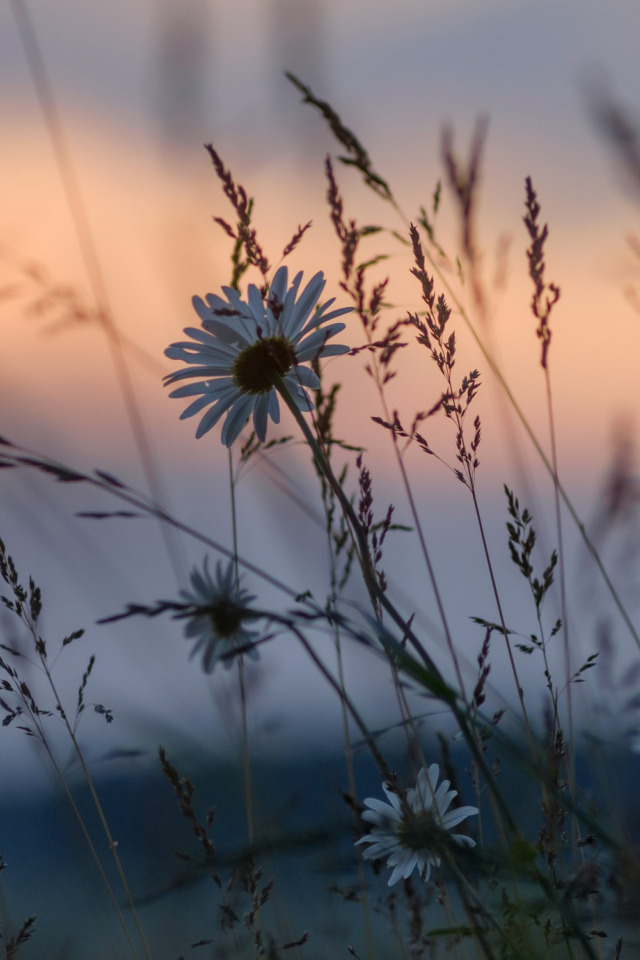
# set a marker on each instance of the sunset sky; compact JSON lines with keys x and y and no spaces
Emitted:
{"x":139,"y":88}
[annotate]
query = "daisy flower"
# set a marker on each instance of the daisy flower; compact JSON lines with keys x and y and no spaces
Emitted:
{"x":246,"y":347}
{"x":220,"y":607}
{"x":406,"y":833}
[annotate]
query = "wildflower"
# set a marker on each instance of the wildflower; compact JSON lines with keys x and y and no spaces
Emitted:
{"x":246,"y":348}
{"x":220,"y":607}
{"x":405,"y":833}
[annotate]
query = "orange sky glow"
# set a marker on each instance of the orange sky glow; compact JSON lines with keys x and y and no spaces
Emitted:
{"x":157,"y":246}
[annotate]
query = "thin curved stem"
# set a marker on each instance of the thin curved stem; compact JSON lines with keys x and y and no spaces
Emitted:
{"x":503,"y":624}
{"x":517,"y":409}
{"x":112,"y":843}
{"x":246,"y":758}
{"x":495,"y":369}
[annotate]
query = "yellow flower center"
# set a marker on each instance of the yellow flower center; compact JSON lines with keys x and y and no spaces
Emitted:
{"x":260,"y":366}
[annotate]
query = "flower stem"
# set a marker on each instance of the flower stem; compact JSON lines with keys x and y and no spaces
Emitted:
{"x":377,"y":595}
{"x":246,"y":759}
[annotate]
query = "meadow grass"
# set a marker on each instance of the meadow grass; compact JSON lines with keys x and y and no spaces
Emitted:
{"x":511,"y":861}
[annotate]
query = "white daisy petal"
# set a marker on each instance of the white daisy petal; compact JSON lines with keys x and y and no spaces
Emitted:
{"x":315,"y":339}
{"x":302,"y":399}
{"x":443,"y":797}
{"x":394,"y":799}
{"x":304,"y":306}
{"x":232,"y":295}
{"x":425,"y":872}
{"x":212,"y":416}
{"x":456,"y":816}
{"x":380,"y":807}
{"x":274,"y":406}
{"x":307,"y":377}
{"x":278,"y":288}
{"x":236,"y":419}
{"x":319,"y":318}
{"x":397,"y":874}
{"x":210,"y":371}
{"x":377,"y":851}
{"x":256,"y":305}
{"x":316,"y":346}
{"x":227,"y":335}
{"x":202,"y":336}
{"x":288,"y":320}
{"x":260,"y":412}
{"x":333,"y":350}
{"x":196,"y":406}
{"x":201,"y":307}
{"x":213,"y":388}
{"x":323,"y":317}
{"x":463,"y":840}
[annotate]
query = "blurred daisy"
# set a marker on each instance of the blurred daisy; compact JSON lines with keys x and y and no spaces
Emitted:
{"x":245,"y":347}
{"x":220,"y":608}
{"x":406,"y":833}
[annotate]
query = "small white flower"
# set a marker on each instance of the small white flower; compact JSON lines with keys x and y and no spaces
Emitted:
{"x":221,"y":607}
{"x":245,"y":347}
{"x":405,"y":834}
